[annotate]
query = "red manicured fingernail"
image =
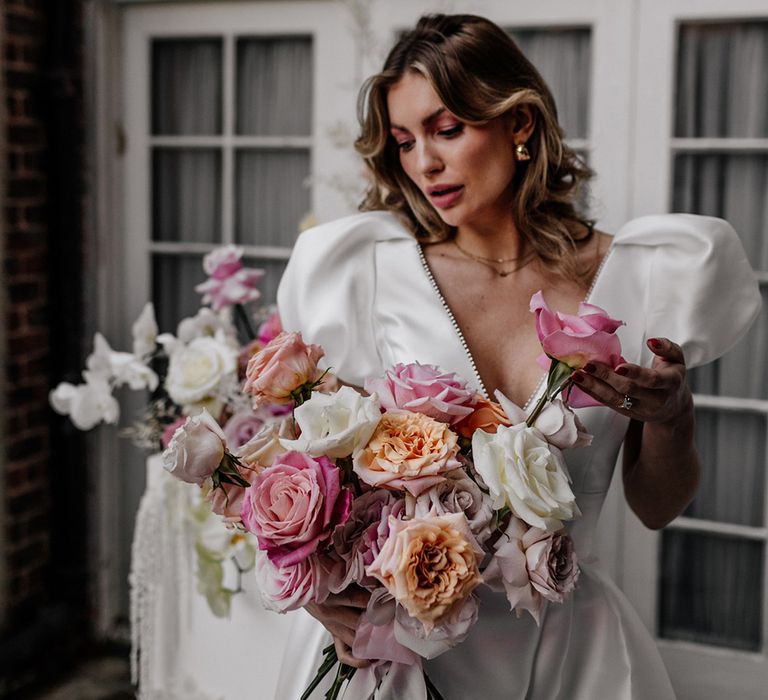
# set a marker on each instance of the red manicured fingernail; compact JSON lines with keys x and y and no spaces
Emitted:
{"x":655,"y":343}
{"x":622,"y":371}
{"x":578,"y":378}
{"x":589,"y":368}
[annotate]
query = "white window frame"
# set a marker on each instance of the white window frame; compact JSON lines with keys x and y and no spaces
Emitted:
{"x":698,"y":671}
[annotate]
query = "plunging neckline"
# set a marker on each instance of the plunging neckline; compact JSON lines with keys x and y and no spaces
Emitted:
{"x":463,"y":341}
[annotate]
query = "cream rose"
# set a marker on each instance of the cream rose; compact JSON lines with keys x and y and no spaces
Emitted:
{"x":428,"y":565}
{"x":335,"y":425}
{"x":196,"y":449}
{"x":408,"y":451}
{"x":525,"y":473}
{"x":262,"y":449}
{"x":195,"y":371}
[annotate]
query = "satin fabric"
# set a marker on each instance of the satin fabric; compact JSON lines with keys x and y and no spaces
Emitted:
{"x":358,"y":287}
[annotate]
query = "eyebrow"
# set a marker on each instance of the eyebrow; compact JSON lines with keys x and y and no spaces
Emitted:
{"x":429,"y":118}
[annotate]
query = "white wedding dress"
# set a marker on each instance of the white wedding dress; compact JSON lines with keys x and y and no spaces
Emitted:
{"x":361,"y":289}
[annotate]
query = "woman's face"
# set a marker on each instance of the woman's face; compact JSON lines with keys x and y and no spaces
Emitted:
{"x":464,"y":171}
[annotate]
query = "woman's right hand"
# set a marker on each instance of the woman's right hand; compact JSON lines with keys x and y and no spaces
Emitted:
{"x":340,"y":615}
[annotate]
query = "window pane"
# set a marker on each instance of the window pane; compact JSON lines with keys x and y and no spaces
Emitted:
{"x":711,"y":589}
{"x":186,"y":195}
{"x":173,"y":288}
{"x":731,"y":186}
{"x":272,"y":196}
{"x":186,"y":86}
{"x":274,"y":86}
{"x":563,"y":57}
{"x":743,"y":372}
{"x":722,"y":84}
{"x":273,"y":270}
{"x":732,"y":451}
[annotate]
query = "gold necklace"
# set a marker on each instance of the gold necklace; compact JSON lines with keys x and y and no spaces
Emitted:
{"x":492,"y":262}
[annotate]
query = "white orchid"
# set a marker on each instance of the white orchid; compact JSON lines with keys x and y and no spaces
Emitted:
{"x":144,"y":331}
{"x":86,"y":404}
{"x":120,"y":367}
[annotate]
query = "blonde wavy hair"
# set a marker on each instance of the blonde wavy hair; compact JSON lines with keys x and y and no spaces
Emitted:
{"x":479,"y":74}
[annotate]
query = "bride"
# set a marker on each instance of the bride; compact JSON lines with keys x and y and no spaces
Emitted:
{"x":472,"y":208}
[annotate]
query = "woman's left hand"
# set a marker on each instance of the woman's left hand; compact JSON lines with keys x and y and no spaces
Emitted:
{"x":656,"y":394}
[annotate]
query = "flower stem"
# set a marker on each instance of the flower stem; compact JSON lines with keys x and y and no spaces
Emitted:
{"x":558,"y":377}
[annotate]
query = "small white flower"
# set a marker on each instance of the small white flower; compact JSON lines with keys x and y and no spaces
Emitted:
{"x":144,"y":331}
{"x":119,"y":367}
{"x":86,"y":404}
{"x":196,"y":371}
{"x":335,"y":425}
{"x":525,"y":473}
{"x":205,"y":323}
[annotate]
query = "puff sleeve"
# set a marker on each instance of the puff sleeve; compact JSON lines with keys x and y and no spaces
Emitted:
{"x":328,"y":288}
{"x":702,"y":292}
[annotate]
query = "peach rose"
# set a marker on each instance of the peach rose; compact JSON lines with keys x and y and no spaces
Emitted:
{"x":429,"y":565}
{"x":487,"y":416}
{"x":408,"y":451}
{"x":285,"y":366}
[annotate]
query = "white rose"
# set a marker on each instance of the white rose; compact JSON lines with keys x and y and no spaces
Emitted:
{"x":196,"y":449}
{"x":195,"y":371}
{"x":335,"y":425}
{"x":525,"y":473}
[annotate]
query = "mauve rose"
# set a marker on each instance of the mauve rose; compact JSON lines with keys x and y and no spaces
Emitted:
{"x":375,"y":633}
{"x":577,"y":340}
{"x":425,"y":389}
{"x":281,"y":368}
{"x":408,"y":451}
{"x":357,"y":542}
{"x":294,"y":505}
{"x":556,"y":422}
{"x":196,"y":449}
{"x":289,"y":587}
{"x":530,"y":565}
{"x":457,"y":494}
{"x":229,"y":282}
{"x":452,"y":629}
{"x":428,"y":564}
{"x":486,"y":415}
{"x":243,"y":425}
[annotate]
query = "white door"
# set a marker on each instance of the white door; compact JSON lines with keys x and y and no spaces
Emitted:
{"x":701,"y":146}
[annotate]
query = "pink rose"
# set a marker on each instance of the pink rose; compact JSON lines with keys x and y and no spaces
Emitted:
{"x":357,"y":542}
{"x":292,"y":586}
{"x":229,"y":282}
{"x":408,"y":451}
{"x":531,"y":565}
{"x":577,"y":340}
{"x":243,"y":425}
{"x":283,"y":367}
{"x":270,"y":329}
{"x":196,"y":449}
{"x":428,"y":565}
{"x":294,"y":505}
{"x":423,"y":389}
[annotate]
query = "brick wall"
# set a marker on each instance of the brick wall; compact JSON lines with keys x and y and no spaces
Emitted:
{"x":46,"y":607}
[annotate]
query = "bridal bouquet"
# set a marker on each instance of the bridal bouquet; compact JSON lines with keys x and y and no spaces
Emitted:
{"x":417,"y":490}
